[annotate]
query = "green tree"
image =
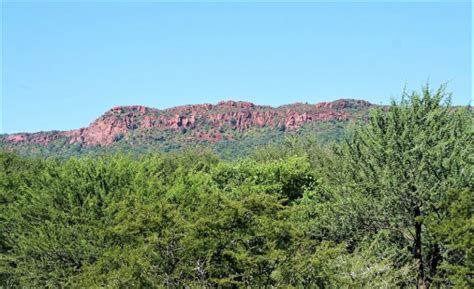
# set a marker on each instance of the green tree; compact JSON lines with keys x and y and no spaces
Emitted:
{"x":393,"y":174}
{"x":453,"y":229}
{"x":396,"y":171}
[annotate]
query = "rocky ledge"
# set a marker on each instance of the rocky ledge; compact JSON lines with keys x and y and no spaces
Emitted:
{"x":118,"y":122}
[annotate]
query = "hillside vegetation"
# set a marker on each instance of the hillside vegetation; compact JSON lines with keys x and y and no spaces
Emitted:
{"x":390,"y":205}
{"x":229,"y":128}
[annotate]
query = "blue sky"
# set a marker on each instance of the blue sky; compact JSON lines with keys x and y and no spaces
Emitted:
{"x":64,"y":64}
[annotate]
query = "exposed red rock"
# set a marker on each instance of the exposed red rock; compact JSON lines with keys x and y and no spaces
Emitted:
{"x":16,"y":138}
{"x":118,"y":122}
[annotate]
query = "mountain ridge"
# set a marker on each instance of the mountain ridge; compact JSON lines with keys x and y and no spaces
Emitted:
{"x":233,"y":126}
{"x":241,"y":115}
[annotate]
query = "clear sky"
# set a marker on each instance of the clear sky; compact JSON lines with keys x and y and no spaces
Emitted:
{"x":64,"y":64}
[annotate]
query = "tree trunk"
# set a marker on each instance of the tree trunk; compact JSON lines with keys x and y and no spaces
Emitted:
{"x":418,"y":256}
{"x":436,"y":259}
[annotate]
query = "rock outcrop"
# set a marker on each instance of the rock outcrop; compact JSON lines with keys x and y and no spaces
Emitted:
{"x":206,"y":121}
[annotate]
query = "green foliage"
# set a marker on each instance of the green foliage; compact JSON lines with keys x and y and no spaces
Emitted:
{"x":454,"y":230}
{"x":393,"y":175}
{"x":389,"y":206}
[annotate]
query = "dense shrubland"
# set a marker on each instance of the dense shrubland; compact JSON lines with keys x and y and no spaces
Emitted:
{"x":389,"y":206}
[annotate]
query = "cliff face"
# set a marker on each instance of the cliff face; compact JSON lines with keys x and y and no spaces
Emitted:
{"x":202,"y":122}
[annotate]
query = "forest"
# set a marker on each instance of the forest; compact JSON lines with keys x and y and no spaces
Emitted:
{"x":389,"y":205}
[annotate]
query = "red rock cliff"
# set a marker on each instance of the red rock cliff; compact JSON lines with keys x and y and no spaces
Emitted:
{"x":119,"y":121}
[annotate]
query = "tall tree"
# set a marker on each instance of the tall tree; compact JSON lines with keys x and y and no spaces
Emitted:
{"x":393,"y":173}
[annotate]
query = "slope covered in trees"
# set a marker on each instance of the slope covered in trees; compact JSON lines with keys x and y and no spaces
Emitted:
{"x":389,"y":206}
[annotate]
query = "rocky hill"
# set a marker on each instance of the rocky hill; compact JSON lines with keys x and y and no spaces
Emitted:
{"x":231,"y":121}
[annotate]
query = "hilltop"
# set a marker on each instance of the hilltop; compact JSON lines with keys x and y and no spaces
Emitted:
{"x":223,"y":125}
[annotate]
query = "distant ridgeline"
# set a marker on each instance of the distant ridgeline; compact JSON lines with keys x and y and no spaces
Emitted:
{"x":230,"y":128}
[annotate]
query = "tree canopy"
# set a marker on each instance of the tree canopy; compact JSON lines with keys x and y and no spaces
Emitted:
{"x":389,"y":206}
